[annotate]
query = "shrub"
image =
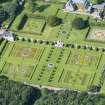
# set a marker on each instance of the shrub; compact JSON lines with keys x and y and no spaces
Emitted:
{"x":93,"y":22}
{"x":22,"y":22}
{"x":94,"y":88}
{"x":79,"y":23}
{"x":54,"y":21}
{"x":3,"y":15}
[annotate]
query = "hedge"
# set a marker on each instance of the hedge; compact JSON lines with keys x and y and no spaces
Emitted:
{"x":93,"y":22}
{"x":22,"y":22}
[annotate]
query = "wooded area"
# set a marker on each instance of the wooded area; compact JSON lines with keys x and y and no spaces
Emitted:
{"x":14,"y":93}
{"x":70,"y":98}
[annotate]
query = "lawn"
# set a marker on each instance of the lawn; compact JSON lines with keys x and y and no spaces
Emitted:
{"x":84,"y":59}
{"x":33,"y":26}
{"x":77,"y":79}
{"x":51,"y":66}
{"x":37,"y":29}
{"x":19,"y":61}
{"x":47,"y":9}
{"x":77,"y":74}
{"x":96,"y":34}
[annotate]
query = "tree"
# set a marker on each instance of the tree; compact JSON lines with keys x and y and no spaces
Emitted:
{"x":3,"y":15}
{"x":31,"y":5}
{"x":70,"y":98}
{"x":2,"y":1}
{"x":11,"y":9}
{"x":54,"y":21}
{"x":94,"y":88}
{"x":44,"y":92}
{"x":78,"y":23}
{"x":97,"y":1}
{"x":14,"y":93}
{"x":104,"y":13}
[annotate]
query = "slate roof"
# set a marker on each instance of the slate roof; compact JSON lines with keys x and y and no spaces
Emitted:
{"x":99,"y":6}
{"x":79,"y":1}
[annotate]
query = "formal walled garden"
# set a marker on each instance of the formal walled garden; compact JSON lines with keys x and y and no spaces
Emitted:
{"x":36,"y":58}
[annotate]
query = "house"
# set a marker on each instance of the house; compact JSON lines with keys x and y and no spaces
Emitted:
{"x":21,"y":2}
{"x":85,"y":6}
{"x":5,"y":34}
{"x":78,"y":5}
{"x":99,"y":8}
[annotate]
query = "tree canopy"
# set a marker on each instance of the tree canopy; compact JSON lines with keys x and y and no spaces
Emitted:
{"x":14,"y":93}
{"x":8,"y":9}
{"x":3,"y":14}
{"x":54,"y":21}
{"x":70,"y":97}
{"x":79,"y":23}
{"x":97,"y":1}
{"x":2,"y":1}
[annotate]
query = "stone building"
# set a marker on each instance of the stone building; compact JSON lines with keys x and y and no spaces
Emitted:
{"x":5,"y":34}
{"x":78,"y":5}
{"x":85,"y":6}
